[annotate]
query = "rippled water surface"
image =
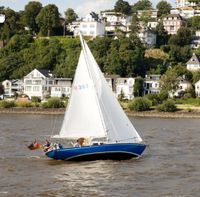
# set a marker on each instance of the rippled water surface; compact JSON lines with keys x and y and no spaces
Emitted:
{"x":169,"y":167}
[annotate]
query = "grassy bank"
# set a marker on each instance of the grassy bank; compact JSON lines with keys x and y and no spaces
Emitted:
{"x":61,"y":111}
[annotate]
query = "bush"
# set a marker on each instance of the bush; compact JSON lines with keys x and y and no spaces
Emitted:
{"x":139,"y":104}
{"x":7,"y":104}
{"x":154,"y":98}
{"x":24,"y":104}
{"x":35,"y":99}
{"x":53,"y":103}
{"x":167,"y":106}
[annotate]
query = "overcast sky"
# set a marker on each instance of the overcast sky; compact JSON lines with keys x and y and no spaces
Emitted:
{"x":81,"y":7}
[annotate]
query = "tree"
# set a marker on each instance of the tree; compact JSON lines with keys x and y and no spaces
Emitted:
{"x":135,"y":26}
{"x":47,"y":19}
{"x":70,"y":15}
{"x":138,"y":87}
{"x":193,"y":23}
{"x":162,"y":36}
{"x":32,"y":9}
{"x":142,"y":5}
{"x":123,"y":7}
{"x":1,"y":89}
{"x":9,"y":27}
{"x":163,"y":8}
{"x":183,"y":37}
{"x":169,"y":82}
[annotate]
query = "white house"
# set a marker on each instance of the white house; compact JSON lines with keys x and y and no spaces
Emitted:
{"x":91,"y":26}
{"x":11,"y":87}
{"x":125,"y":86}
{"x":186,"y":12}
{"x":184,"y":3}
{"x":7,"y":88}
{"x":197,"y":88}
{"x":115,"y":21}
{"x":151,"y":84}
{"x":38,"y":83}
{"x":151,"y":14}
{"x":61,"y":87}
{"x":182,"y":87}
{"x":147,"y":36}
{"x":193,"y":64}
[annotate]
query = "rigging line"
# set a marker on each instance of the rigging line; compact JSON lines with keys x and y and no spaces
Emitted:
{"x":53,"y":126}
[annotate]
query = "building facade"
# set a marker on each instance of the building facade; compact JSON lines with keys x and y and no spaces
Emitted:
{"x":38,"y":83}
{"x":151,"y":84}
{"x":91,"y":25}
{"x":61,"y":87}
{"x":197,"y":88}
{"x":194,"y":63}
{"x":172,"y":23}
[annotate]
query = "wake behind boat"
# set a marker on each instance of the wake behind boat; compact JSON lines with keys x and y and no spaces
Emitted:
{"x":94,"y":115}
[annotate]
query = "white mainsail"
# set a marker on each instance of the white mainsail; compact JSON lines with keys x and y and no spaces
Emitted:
{"x":93,"y":111}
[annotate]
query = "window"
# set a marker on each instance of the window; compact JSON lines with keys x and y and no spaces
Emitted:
{"x":84,"y":26}
{"x":28,"y":82}
{"x":171,"y":27}
{"x":28,"y":88}
{"x":91,"y":32}
{"x":92,"y":25}
{"x":36,"y":88}
{"x":37,"y":82}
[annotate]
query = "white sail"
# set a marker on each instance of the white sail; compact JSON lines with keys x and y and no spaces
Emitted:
{"x":93,"y":110}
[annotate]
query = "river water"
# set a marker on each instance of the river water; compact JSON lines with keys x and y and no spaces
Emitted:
{"x":170,"y":166}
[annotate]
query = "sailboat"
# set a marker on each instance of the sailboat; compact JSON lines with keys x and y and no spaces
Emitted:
{"x":94,"y":115}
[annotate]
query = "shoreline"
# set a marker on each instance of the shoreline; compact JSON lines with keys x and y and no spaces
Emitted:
{"x":61,"y":111}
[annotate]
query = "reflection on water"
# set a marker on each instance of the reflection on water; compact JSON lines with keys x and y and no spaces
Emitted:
{"x":170,"y":165}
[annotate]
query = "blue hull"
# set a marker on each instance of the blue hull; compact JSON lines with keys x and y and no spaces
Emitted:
{"x":98,"y":152}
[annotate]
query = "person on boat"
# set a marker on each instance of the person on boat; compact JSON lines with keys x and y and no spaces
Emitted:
{"x":47,"y":146}
{"x":79,"y":142}
{"x":35,"y":145}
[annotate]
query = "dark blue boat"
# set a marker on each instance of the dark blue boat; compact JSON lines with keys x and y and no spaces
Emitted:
{"x":118,"y":151}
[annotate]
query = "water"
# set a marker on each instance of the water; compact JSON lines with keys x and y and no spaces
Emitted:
{"x":170,"y":166}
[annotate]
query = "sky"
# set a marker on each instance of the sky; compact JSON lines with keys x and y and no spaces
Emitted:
{"x":81,"y":7}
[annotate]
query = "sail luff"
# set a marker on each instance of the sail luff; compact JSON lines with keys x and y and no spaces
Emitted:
{"x":97,"y":99}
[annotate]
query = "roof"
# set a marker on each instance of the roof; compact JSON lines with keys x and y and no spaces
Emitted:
{"x":194,"y":59}
{"x":45,"y":72}
{"x":174,"y":15}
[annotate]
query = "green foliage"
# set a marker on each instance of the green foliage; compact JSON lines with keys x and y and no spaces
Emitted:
{"x":154,"y":98}
{"x":35,"y":99}
{"x":1,"y":89}
{"x":125,"y":57}
{"x":53,"y":103}
{"x":7,"y":104}
{"x":32,"y":9}
{"x":142,"y":5}
{"x":138,"y":87}
{"x":163,"y":8}
{"x":162,"y":35}
{"x":123,"y":7}
{"x":169,"y":81}
{"x":139,"y":104}
{"x":167,"y":106}
{"x":70,"y":15}
{"x":24,"y":104}
{"x":10,"y":26}
{"x":193,"y":23}
{"x":47,"y":19}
